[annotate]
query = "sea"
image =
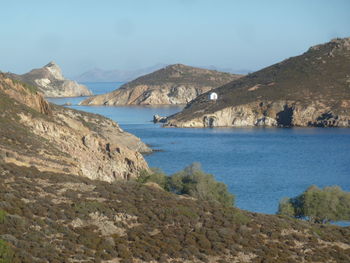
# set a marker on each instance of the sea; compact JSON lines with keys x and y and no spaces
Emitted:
{"x":260,"y":166}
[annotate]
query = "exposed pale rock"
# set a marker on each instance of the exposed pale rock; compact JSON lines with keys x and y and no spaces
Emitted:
{"x":157,"y":119}
{"x":102,"y":222}
{"x":51,"y":82}
{"x":270,"y":114}
{"x":95,"y":156}
{"x":43,"y":82}
{"x":21,"y":94}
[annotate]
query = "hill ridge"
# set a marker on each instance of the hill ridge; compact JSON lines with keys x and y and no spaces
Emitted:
{"x":173,"y":84}
{"x":313,"y":86}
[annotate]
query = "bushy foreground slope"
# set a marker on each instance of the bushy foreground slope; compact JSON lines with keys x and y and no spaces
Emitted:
{"x":50,"y":217}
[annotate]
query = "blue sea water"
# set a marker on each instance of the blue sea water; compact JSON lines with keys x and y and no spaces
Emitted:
{"x":259,"y":165}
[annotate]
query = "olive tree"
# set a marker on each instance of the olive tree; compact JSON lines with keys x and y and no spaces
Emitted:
{"x":194,"y":182}
{"x":318,"y":205}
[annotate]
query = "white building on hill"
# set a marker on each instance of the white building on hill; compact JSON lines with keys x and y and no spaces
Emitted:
{"x":213,"y":96}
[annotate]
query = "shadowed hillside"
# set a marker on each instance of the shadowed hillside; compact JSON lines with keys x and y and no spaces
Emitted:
{"x":312,"y":89}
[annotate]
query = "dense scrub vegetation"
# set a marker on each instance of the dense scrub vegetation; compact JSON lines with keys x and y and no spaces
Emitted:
{"x":191,"y":181}
{"x":50,"y":217}
{"x":318,"y":205}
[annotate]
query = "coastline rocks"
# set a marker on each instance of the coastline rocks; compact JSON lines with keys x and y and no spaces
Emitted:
{"x":269,"y":114}
{"x":159,"y":119}
{"x":51,"y":82}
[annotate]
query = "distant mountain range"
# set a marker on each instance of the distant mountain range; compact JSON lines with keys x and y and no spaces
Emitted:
{"x":101,"y":75}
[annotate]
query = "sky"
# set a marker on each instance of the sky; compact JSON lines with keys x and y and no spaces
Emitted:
{"x":131,"y":34}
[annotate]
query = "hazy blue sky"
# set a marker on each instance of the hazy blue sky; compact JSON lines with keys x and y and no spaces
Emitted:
{"x":82,"y":34}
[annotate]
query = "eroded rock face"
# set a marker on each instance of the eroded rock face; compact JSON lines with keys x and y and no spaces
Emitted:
{"x":20,"y":93}
{"x":175,"y":84}
{"x":66,"y":140}
{"x":271,"y":114}
{"x":51,"y":82}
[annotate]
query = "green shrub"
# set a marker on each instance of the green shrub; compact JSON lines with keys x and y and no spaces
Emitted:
{"x":191,"y":181}
{"x":194,"y":182}
{"x":318,"y":205}
{"x":6,"y":253}
{"x":155,"y":176}
{"x":3,"y":215}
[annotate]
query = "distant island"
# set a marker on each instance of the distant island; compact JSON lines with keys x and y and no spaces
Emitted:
{"x":174,"y":84}
{"x":310,"y":90}
{"x":50,"y":81}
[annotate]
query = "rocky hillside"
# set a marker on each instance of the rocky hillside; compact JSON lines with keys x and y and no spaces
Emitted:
{"x":55,"y":217}
{"x":51,"y":82}
{"x":312,"y":89}
{"x":175,"y":84}
{"x":52,"y":209}
{"x":52,"y":138}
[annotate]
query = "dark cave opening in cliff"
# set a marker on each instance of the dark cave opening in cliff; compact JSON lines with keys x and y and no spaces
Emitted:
{"x":285,"y":117}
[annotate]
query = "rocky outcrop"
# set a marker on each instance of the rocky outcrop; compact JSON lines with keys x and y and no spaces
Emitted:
{"x":270,"y":114}
{"x":311,"y":90}
{"x":57,"y":139}
{"x":159,"y":119}
{"x":24,"y":95}
{"x":175,"y":84}
{"x":51,"y":82}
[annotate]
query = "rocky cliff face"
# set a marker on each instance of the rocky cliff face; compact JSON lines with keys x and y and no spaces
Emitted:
{"x":52,"y":138}
{"x":311,"y":90}
{"x":51,"y":82}
{"x":271,"y":114}
{"x":175,"y":84}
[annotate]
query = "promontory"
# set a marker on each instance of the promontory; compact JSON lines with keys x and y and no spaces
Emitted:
{"x":312,"y":89}
{"x":174,"y":84}
{"x":50,"y":81}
